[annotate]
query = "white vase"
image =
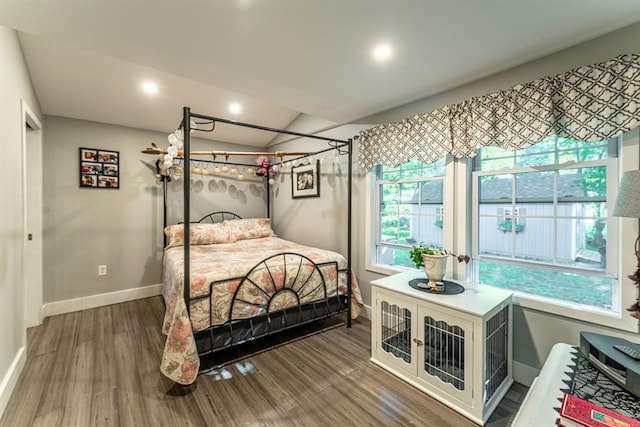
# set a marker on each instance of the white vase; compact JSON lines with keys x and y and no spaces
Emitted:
{"x":435,"y":267}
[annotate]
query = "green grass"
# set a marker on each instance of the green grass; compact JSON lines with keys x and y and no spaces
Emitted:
{"x":582,"y":289}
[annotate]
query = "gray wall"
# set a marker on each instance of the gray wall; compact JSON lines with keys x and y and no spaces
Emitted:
{"x":15,"y":85}
{"x":86,"y":227}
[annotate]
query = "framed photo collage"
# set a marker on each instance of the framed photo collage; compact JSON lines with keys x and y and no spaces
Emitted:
{"x":99,"y":168}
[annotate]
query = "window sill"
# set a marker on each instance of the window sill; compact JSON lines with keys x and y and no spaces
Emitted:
{"x":580,"y":313}
{"x":619,"y":321}
{"x":387,"y":270}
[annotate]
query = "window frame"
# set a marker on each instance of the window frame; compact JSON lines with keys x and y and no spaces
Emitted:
{"x":458,"y":201}
{"x":618,"y":263}
{"x":372,"y":218}
{"x":613,"y":175}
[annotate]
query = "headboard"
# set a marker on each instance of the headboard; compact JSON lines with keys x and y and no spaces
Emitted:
{"x":219,"y":216}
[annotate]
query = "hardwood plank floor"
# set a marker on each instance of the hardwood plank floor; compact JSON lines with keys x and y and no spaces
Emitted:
{"x":100,"y":367}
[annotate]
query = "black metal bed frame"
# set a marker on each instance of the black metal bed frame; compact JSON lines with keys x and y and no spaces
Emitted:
{"x":238,"y":331}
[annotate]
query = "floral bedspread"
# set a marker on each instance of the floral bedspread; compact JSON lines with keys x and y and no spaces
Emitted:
{"x":218,"y":267}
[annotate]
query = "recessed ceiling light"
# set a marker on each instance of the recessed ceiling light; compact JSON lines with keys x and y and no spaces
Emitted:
{"x":150,"y":87}
{"x":235,"y":108}
{"x":382,"y":52}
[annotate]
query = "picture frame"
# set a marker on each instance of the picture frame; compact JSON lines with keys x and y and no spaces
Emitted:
{"x":305,"y":180}
{"x":99,"y":168}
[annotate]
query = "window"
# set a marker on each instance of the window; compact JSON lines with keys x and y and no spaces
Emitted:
{"x":408,"y":210}
{"x":549,"y":202}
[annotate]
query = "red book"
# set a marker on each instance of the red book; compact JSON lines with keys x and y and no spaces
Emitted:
{"x":576,"y":412}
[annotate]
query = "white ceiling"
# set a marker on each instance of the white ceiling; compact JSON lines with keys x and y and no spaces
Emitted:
{"x":281,"y":59}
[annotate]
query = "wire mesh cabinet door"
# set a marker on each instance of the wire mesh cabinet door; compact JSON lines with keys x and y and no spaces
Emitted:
{"x":393,"y":331}
{"x":445,"y":352}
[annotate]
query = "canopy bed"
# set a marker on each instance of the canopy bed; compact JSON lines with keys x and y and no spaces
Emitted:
{"x":228,"y":280}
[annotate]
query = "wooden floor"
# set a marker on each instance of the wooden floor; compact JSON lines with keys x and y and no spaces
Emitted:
{"x":100,"y":367}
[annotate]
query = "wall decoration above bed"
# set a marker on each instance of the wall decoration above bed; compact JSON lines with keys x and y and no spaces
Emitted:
{"x":99,"y":168}
{"x":305,"y":180}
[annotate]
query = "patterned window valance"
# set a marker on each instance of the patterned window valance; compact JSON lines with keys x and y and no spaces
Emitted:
{"x":589,"y":103}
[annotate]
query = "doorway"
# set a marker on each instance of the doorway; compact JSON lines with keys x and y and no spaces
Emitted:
{"x":32,"y":209}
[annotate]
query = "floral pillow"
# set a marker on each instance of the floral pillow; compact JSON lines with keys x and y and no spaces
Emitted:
{"x":249,"y":228}
{"x":199,"y":234}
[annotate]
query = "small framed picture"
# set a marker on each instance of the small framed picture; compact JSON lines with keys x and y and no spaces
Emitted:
{"x":107,"y":182}
{"x":110,"y":170}
{"x":99,"y":168}
{"x":305,"y":180}
{"x":88,"y":155}
{"x":88,"y":168}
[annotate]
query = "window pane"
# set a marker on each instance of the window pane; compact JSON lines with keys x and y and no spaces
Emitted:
{"x":547,"y":145}
{"x":494,"y":158}
{"x":428,"y":226}
{"x":492,"y":240}
{"x":535,"y":242}
{"x":495,"y":188}
{"x":551,"y":150}
{"x":431,"y":192}
{"x":408,"y":191}
{"x":583,"y":182}
{"x":394,"y":256}
{"x":391,"y":174}
{"x":413,"y":169}
{"x":571,"y":150}
{"x":536,"y":160}
{"x":388,"y":228}
{"x":535,"y":186}
{"x":584,"y":243}
{"x":389,"y":192}
{"x":389,"y":208}
{"x":542,"y":153}
{"x":410,"y":210}
{"x":594,"y":291}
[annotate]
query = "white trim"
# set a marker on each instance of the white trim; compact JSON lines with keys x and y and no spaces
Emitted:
{"x":369,"y":224}
{"x":11,"y":378}
{"x":100,"y":300}
{"x":366,"y":312}
{"x":524,"y":374}
{"x":31,"y":289}
{"x":585,"y":314}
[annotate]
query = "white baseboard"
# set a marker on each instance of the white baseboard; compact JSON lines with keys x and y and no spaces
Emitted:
{"x":11,"y":378}
{"x":100,"y":300}
{"x":524,"y":374}
{"x":366,"y":312}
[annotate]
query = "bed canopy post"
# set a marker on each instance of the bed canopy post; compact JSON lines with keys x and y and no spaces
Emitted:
{"x":164,"y":209}
{"x":268,"y":193}
{"x":186,"y":129}
{"x":349,"y":209}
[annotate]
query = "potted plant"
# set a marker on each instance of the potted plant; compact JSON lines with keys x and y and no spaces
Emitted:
{"x":434,"y":261}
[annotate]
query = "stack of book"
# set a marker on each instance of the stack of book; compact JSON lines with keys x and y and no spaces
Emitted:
{"x":576,"y":412}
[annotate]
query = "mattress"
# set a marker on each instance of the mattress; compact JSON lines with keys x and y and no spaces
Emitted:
{"x":292,"y":274}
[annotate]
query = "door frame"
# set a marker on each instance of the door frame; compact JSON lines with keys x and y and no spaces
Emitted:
{"x":31,"y":129}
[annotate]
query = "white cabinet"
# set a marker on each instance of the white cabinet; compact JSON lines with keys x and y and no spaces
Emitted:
{"x":457,"y":348}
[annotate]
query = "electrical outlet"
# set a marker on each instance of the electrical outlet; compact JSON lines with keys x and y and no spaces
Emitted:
{"x":102,"y":270}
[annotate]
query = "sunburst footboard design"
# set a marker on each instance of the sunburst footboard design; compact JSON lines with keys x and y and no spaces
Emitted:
{"x":280,"y":292}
